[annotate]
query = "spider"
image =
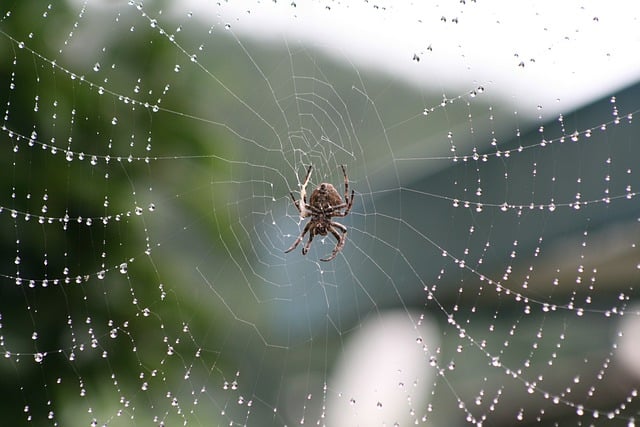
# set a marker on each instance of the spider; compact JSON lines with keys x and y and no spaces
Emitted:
{"x":324,"y":204}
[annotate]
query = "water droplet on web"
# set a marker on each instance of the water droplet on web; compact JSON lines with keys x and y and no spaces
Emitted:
{"x":176,"y":68}
{"x":38,"y":357}
{"x":114,"y":121}
{"x":123,"y":268}
{"x":96,"y":67}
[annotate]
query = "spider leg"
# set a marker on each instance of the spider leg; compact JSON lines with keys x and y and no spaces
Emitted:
{"x":341,"y":239}
{"x":339,"y":226}
{"x":329,"y":211}
{"x":346,"y":206}
{"x":299,"y":239}
{"x":346,"y":182}
{"x":312,"y":233}
{"x":303,"y":188}
{"x":301,"y":204}
{"x":295,"y":202}
{"x":306,"y":178}
{"x":341,"y":206}
{"x":348,"y":201}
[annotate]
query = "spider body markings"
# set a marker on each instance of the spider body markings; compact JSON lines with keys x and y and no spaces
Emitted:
{"x":324,"y":204}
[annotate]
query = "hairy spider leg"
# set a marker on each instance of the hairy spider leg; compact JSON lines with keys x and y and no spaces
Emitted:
{"x":341,"y":239}
{"x":299,"y":239}
{"x":307,"y":245}
{"x":348,"y":200}
{"x":302,"y":205}
{"x":295,"y":202}
{"x":347,"y":207}
{"x":346,"y":183}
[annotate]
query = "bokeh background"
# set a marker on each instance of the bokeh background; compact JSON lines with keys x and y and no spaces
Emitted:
{"x":146,"y":157}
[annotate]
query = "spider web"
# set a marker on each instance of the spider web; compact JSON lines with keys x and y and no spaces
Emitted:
{"x":490,"y":269}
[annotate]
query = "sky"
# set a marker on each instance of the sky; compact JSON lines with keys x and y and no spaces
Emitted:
{"x":550,"y":54}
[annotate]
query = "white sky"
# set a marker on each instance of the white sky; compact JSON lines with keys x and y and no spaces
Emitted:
{"x":573,"y":52}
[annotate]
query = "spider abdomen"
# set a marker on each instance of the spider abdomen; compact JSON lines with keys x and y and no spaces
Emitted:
{"x":325,"y":197}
